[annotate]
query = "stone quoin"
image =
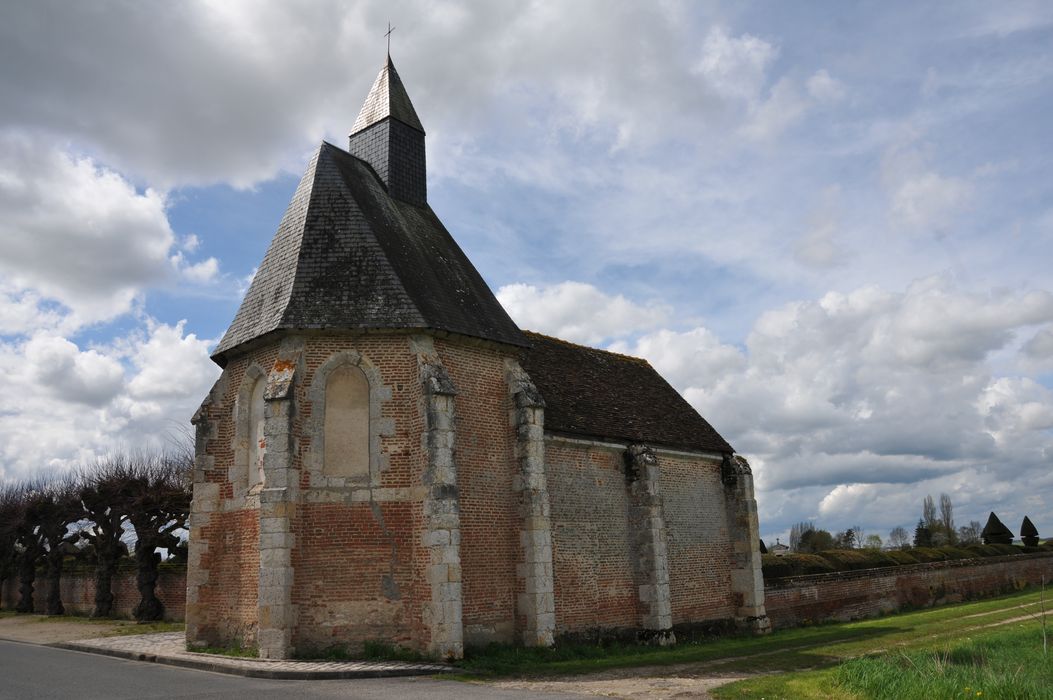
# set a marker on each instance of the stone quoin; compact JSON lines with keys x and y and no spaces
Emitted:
{"x":388,"y":457}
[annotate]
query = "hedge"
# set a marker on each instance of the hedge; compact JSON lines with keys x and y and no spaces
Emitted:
{"x":854,"y":559}
{"x":794,"y":565}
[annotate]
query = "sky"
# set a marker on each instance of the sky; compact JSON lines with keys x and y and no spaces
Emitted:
{"x":828,"y":224}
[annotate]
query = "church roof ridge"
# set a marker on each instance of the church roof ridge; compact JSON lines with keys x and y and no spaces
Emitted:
{"x":387,"y":99}
{"x":582,"y":346}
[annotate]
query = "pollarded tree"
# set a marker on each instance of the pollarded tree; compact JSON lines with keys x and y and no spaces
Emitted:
{"x":29,"y":541}
{"x":104,"y":496}
{"x":995,"y":532}
{"x":9,"y":512}
{"x":1028,"y":533}
{"x":57,"y":513}
{"x":158,"y":504}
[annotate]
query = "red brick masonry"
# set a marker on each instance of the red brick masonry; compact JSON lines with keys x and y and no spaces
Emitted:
{"x":852,"y":595}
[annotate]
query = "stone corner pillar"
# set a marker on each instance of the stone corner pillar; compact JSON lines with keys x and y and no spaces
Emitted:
{"x":443,"y":614}
{"x":278,"y":501}
{"x":205,"y":501}
{"x":647,"y":527}
{"x":747,"y":579}
{"x":535,"y":602}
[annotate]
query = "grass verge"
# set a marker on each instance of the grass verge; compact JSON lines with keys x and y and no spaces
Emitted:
{"x":1002,"y":662}
{"x":119,"y":626}
{"x":785,"y":650}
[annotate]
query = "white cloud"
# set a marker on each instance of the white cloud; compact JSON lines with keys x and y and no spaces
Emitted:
{"x":79,"y":403}
{"x":201,"y":272}
{"x":735,"y":67}
{"x":788,"y":103}
{"x":578,"y":312}
{"x":78,"y":233}
{"x":682,"y":358}
{"x":929,"y":201}
{"x":63,"y":370}
{"x":851,"y":397}
{"x":81,"y":243}
{"x":819,"y":247}
{"x":824,"y":87}
{"x":170,"y":363}
{"x":1038,"y":350}
{"x":922,"y":200}
{"x":785,"y":106}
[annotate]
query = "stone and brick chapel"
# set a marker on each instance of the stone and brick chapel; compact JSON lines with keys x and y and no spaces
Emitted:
{"x":387,"y":456}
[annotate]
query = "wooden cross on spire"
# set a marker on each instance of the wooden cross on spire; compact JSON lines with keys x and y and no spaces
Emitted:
{"x":388,"y":35}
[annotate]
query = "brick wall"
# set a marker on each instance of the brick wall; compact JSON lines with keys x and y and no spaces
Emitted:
{"x":361,"y":571}
{"x":853,"y":595}
{"x":78,"y":591}
{"x":485,"y":456}
{"x":699,"y":544}
{"x":357,"y":577}
{"x":592,"y":555}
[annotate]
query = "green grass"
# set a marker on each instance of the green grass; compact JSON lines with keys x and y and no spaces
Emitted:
{"x":127,"y":627}
{"x":785,"y":650}
{"x":1006,"y":664}
{"x":234,"y":650}
{"x":998,"y":663}
{"x":122,"y":627}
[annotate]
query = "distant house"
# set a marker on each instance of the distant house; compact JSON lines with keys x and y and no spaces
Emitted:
{"x":779,"y":549}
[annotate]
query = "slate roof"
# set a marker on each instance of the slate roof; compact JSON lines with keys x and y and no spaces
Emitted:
{"x":348,"y":256}
{"x":603,"y":395}
{"x":387,"y":98}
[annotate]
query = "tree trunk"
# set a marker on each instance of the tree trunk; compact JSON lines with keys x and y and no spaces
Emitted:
{"x":54,"y":576}
{"x":149,"y":607}
{"x":27,"y":574}
{"x":104,"y":585}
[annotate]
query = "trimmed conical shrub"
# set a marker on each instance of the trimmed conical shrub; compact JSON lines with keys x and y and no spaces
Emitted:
{"x":1028,"y":533}
{"x":995,"y":532}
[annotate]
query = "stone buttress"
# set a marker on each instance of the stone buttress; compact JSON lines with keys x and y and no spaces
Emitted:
{"x":747,"y":581}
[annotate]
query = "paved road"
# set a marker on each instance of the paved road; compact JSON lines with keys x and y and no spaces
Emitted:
{"x":29,"y":672}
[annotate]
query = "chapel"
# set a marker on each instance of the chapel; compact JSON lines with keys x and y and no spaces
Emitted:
{"x":388,"y":457}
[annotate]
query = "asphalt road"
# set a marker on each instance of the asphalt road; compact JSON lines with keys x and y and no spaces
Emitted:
{"x":30,"y":672}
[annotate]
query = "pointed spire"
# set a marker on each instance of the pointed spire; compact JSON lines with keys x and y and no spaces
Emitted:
{"x":1028,"y":533}
{"x":387,"y":98}
{"x":995,"y":532}
{"x":388,"y":136}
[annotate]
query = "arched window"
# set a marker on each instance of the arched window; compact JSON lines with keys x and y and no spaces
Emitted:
{"x":257,"y":442}
{"x":346,"y":430}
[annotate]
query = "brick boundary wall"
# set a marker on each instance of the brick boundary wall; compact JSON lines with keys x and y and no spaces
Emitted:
{"x":853,"y":595}
{"x":78,"y":592}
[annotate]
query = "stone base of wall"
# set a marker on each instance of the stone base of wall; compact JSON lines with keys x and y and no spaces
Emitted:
{"x":853,"y":595}
{"x":78,"y":592}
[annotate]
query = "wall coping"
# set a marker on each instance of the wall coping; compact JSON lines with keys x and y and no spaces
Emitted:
{"x":815,"y":579}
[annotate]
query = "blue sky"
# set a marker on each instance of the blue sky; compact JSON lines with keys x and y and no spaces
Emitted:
{"x":828,"y":224}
